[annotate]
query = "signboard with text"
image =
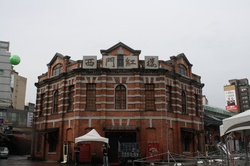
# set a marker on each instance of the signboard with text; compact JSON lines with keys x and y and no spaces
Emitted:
{"x":151,"y":62}
{"x":89,"y":62}
{"x":231,"y":101}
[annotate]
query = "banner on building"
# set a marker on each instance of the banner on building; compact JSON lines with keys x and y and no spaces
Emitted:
{"x":231,"y":100}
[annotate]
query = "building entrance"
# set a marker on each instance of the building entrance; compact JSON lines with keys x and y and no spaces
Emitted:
{"x":115,"y":138}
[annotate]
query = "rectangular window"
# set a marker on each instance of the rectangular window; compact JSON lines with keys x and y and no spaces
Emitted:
{"x":71,"y":98}
{"x":53,"y":140}
{"x":243,"y":90}
{"x":244,"y":102}
{"x":120,"y":61}
{"x":149,"y":97}
{"x":91,"y":97}
{"x":169,"y":98}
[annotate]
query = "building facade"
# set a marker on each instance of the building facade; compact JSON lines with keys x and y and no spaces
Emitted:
{"x":18,"y":90}
{"x":237,"y":95}
{"x":5,"y":75}
{"x":154,"y":103}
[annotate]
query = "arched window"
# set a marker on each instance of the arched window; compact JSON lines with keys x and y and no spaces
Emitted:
{"x":57,"y":69}
{"x":182,"y":70}
{"x":184,"y":102}
{"x":196,"y":104}
{"x":55,"y":101}
{"x":169,"y":98}
{"x":71,"y":98}
{"x":42,"y":104}
{"x":120,"y":97}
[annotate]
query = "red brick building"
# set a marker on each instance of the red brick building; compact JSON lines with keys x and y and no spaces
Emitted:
{"x":154,"y":103}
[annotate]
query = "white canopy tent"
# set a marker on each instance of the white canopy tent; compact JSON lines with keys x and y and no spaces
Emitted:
{"x":91,"y":136}
{"x":239,"y":122}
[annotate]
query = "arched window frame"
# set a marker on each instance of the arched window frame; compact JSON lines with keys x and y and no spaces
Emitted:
{"x":120,"y":97}
{"x":169,"y":98}
{"x":196,"y":96}
{"x":42,"y":104}
{"x":57,"y":69}
{"x":184,"y":102}
{"x":182,"y":70}
{"x":55,"y":101}
{"x":71,"y":91}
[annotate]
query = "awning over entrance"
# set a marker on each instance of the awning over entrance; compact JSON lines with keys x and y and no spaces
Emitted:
{"x":48,"y":130}
{"x":121,"y":128}
{"x":191,"y":130}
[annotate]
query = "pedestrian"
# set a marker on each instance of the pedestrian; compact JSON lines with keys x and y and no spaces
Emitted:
{"x":77,"y":151}
{"x":105,"y":155}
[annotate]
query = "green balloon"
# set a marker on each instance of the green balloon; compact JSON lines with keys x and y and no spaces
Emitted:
{"x":15,"y":59}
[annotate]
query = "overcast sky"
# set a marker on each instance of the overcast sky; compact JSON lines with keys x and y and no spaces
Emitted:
{"x":213,"y":34}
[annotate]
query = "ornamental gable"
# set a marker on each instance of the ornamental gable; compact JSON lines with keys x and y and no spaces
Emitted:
{"x":120,"y":56}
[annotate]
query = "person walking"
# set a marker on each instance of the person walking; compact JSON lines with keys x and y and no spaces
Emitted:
{"x":77,"y":151}
{"x":105,"y":155}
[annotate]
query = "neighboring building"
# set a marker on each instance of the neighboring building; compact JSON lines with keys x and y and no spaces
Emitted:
{"x":12,"y":85}
{"x":5,"y":75}
{"x":16,"y":129}
{"x":237,"y":95}
{"x":154,"y":103}
{"x":204,"y":100}
{"x":213,"y":117}
{"x":15,"y":121}
{"x":18,"y":90}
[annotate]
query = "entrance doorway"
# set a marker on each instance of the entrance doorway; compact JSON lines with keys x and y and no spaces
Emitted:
{"x":114,"y":139}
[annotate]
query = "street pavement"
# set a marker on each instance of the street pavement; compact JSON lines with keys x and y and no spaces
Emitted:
{"x":15,"y":160}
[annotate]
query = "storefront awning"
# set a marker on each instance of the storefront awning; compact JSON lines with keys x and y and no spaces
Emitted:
{"x":210,"y":120}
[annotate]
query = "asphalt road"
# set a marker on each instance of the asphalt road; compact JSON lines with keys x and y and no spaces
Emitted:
{"x":15,"y":160}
